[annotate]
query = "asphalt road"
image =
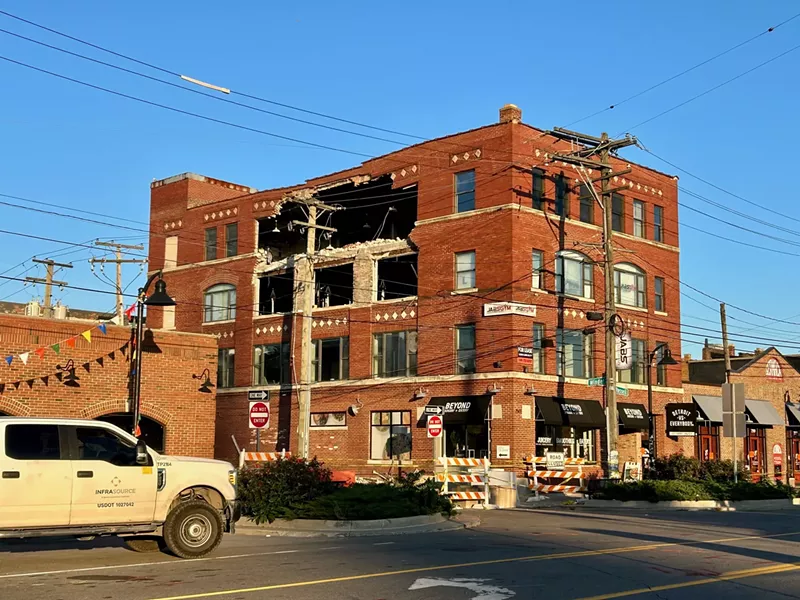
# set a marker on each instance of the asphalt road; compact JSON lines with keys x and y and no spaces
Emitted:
{"x":512,"y":554}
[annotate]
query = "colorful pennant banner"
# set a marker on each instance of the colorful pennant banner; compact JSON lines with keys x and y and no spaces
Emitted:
{"x":56,"y":348}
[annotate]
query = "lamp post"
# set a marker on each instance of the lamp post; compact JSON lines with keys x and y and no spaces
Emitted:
{"x":666,"y":359}
{"x":158,"y":298}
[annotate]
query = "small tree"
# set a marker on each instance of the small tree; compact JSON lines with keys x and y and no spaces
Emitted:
{"x":270,"y":490}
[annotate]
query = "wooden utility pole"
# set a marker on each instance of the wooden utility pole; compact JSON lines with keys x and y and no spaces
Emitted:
{"x":725,"y":349}
{"x":584,"y":157}
{"x":49,"y":282}
{"x":305,"y":275}
{"x":118,"y":261}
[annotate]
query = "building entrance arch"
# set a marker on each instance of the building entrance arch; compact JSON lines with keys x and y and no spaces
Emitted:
{"x":152,"y":430}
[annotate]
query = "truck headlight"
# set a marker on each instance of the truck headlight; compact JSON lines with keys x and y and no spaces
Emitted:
{"x":232,"y":477}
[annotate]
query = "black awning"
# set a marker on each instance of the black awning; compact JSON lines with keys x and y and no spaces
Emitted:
{"x":461,"y":410}
{"x":632,"y":416}
{"x":570,"y":412}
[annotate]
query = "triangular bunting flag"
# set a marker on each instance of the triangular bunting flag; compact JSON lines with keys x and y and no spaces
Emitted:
{"x":30,"y":383}
{"x":59,"y":375}
{"x":2,"y":387}
{"x":87,"y":335}
{"x":102,"y":328}
{"x":86,"y":367}
{"x":112,"y":355}
{"x":56,"y":348}
{"x":9,"y":359}
{"x":129,"y":310}
{"x":71,"y":342}
{"x":24,"y":357}
{"x":99,"y":360}
{"x":45,"y":379}
{"x":39,"y":352}
{"x":16,"y":384}
{"x":123,"y":349}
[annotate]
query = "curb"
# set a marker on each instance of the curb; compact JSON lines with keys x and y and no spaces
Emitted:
{"x":778,"y":504}
{"x":401,"y":526}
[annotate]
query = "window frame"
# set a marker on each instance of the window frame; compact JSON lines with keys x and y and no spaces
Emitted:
{"x":128,"y":444}
{"x":465,"y":193}
{"x":538,"y":354}
{"x":658,"y":223}
{"x":473,"y":270}
{"x":618,"y":216}
{"x":572,"y":450}
{"x":537,"y":265}
{"x":538,"y":177}
{"x":392,"y":426}
{"x":284,"y":364}
{"x":639,"y":223}
{"x":343,"y":358}
{"x":561,"y":205}
{"x":586,"y":349}
{"x":639,"y":288}
{"x":210,"y":246}
{"x":379,"y":353}
{"x":466,"y":356}
{"x":61,"y":441}
{"x":707,"y":431}
{"x":586,"y":198}
{"x":586,"y":283}
{"x":231,"y":239}
{"x":226,"y":367}
{"x":661,"y":370}
{"x":659,"y":297}
{"x":228,"y":310}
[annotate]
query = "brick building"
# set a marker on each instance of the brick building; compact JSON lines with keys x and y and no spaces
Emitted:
{"x":460,"y":273}
{"x":89,"y":376}
{"x":771,"y":445}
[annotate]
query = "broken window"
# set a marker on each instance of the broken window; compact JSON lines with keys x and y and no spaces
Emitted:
{"x":331,"y":360}
{"x":276,"y":293}
{"x":333,"y":286}
{"x":397,"y":277}
{"x":394,"y":354}
{"x":271,"y":364}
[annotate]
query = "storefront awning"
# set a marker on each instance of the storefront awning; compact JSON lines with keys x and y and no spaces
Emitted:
{"x":793,"y":412}
{"x":632,"y":416}
{"x":762,"y":412}
{"x":461,"y":410}
{"x":710,"y":408}
{"x":570,"y":412}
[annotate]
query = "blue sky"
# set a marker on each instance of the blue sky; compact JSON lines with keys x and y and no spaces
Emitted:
{"x":418,"y":67}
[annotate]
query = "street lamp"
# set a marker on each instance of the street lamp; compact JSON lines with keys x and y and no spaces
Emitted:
{"x":666,"y":359}
{"x":158,"y":298}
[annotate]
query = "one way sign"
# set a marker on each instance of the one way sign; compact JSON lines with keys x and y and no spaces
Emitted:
{"x":258,"y":395}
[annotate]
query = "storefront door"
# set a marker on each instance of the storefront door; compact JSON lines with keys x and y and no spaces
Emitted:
{"x":755,"y":458}
{"x":793,"y":452}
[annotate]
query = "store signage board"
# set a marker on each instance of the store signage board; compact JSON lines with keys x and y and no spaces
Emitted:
{"x":525,"y":355}
{"x":498,"y":309}
{"x":624,"y":352}
{"x":681,"y":419}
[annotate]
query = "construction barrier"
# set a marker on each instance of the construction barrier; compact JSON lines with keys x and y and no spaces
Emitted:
{"x":261,"y":456}
{"x":476,"y":475}
{"x":570,"y":481}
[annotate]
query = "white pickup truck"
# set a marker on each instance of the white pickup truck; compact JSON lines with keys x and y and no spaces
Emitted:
{"x":69,"y":477}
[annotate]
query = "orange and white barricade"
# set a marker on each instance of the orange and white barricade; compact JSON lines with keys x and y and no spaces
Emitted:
{"x":541,"y":480}
{"x":461,"y":472}
{"x":256,"y":457}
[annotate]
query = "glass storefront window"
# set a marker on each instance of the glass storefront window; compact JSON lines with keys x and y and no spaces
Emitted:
{"x":574,"y":442}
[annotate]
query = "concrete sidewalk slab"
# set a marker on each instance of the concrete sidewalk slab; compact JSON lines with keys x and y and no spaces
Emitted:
{"x":401,"y":526}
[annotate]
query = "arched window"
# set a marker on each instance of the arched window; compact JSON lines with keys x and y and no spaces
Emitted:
{"x":220,"y":303}
{"x":574,"y":274}
{"x":629,"y":286}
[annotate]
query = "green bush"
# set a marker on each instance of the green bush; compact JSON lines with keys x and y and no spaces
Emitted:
{"x":679,"y":466}
{"x":268,"y":491}
{"x":664,"y":491}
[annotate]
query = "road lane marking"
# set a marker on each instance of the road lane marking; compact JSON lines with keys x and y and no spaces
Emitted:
{"x":768,"y":570}
{"x":383,"y":543}
{"x":479,"y":563}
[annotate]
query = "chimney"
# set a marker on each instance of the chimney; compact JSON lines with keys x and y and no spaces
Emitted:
{"x":731,"y":350}
{"x":510,"y":113}
{"x":685,"y":367}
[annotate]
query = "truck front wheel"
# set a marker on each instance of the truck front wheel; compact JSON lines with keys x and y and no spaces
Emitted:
{"x":193,"y":529}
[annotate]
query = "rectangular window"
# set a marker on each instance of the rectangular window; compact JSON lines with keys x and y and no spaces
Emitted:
{"x":219,"y":303}
{"x":328,"y":420}
{"x":574,"y":275}
{"x":587,"y":204}
{"x":536,"y":270}
{"x":33,"y":442}
{"x":271,"y":364}
{"x":658,"y":223}
{"x":465,"y":349}
{"x":331,"y":360}
{"x":574,"y":442}
{"x":225,"y":362}
{"x":394,"y":354}
{"x":465,"y":191}
{"x":98,"y":443}
{"x":211,"y":243}
{"x":638,"y":219}
{"x":617,"y":213}
{"x":636,"y":373}
{"x":755,"y":456}
{"x":661,"y":370}
{"x":538,"y":348}
{"x":629,"y":287}
{"x":537,"y":189}
{"x":390,"y":435}
{"x":562,"y":195}
{"x":465,"y":270}
{"x":574,"y":353}
{"x":658,"y":286}
{"x":231,"y":239}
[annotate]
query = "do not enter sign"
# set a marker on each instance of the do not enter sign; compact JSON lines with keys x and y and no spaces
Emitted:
{"x":434,"y":426}
{"x":259,"y":415}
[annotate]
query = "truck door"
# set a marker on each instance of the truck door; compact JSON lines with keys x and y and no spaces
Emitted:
{"x":35,"y":476}
{"x":108,"y":487}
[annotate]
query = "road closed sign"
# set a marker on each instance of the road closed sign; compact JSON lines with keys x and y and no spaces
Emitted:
{"x":435,"y":426}
{"x":259,"y":415}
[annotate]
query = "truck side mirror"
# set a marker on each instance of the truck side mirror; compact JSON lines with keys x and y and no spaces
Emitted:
{"x":142,"y":457}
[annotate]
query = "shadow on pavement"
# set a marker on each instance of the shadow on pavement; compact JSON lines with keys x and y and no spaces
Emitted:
{"x":58,"y":543}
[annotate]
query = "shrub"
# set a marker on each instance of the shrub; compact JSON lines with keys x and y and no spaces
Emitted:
{"x":721,"y":470}
{"x":678,"y":466}
{"x":267,"y":491}
{"x":657,"y":490}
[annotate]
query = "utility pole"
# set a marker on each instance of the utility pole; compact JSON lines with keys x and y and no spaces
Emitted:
{"x":305,"y":273}
{"x":48,"y":282}
{"x":601,"y":147}
{"x":724,"y":322}
{"x":119,"y":261}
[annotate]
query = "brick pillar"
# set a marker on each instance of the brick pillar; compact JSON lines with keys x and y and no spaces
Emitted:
{"x":364,"y":280}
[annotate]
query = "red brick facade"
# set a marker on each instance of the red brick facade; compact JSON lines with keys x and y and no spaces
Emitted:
{"x":502,"y":230}
{"x":170,"y":395}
